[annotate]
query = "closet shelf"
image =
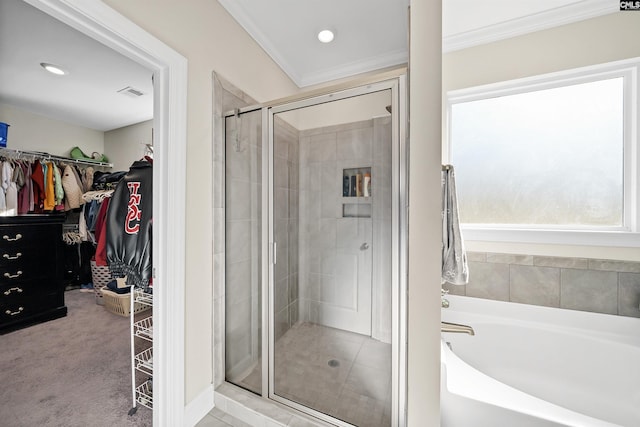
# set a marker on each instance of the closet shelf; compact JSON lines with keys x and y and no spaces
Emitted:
{"x":144,"y":328}
{"x":141,"y":363}
{"x":144,"y":395}
{"x":143,"y":297}
{"x":18,"y":154}
{"x":144,"y":361}
{"x":354,"y":199}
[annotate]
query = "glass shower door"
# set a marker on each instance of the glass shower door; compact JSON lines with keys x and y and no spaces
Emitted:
{"x":243,"y":256}
{"x":332,"y":277}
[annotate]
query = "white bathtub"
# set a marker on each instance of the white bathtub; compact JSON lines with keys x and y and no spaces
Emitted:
{"x":539,"y":366}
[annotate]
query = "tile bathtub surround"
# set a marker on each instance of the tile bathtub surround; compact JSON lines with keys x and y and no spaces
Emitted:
{"x":596,"y":285}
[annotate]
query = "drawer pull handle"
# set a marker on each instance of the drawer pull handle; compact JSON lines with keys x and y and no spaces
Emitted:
{"x":13,"y":313}
{"x":8,"y":291}
{"x":13,"y":276}
{"x":17,"y":255}
{"x":12,"y":239}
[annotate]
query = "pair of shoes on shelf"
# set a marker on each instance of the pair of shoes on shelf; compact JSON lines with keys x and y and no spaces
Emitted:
{"x":86,"y":288}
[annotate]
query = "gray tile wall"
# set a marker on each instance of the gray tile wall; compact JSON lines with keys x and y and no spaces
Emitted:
{"x":226,"y":97}
{"x":382,"y":236}
{"x":324,"y":232}
{"x":287,"y":194}
{"x":243,"y":230}
{"x":602,"y":286}
{"x":322,"y":226}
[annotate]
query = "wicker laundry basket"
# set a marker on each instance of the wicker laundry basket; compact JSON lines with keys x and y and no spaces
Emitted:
{"x":100,"y":276}
{"x":120,"y":304}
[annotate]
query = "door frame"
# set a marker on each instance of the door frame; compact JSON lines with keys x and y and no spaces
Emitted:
{"x":102,"y":23}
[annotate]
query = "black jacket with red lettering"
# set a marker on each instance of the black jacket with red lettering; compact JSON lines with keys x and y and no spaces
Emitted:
{"x":129,"y":226}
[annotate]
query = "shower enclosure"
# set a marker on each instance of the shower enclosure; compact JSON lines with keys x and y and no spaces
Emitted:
{"x":314,"y":253}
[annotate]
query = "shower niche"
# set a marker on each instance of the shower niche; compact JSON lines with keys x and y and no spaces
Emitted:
{"x":313,"y":258}
{"x":356,"y":192}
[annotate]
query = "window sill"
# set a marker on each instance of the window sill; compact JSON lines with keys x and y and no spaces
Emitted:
{"x":622,"y":239}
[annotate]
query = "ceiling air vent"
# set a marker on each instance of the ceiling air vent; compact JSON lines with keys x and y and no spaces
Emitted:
{"x":131,"y":91}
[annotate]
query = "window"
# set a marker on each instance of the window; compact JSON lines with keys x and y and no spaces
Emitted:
{"x":555,"y":153}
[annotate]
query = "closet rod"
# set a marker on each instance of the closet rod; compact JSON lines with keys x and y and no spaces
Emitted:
{"x":47,"y":156}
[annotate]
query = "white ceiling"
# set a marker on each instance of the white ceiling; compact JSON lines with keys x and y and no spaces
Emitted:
{"x":370,"y":34}
{"x":88,"y":96}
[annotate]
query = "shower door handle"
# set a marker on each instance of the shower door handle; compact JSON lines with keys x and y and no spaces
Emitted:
{"x":274,"y":252}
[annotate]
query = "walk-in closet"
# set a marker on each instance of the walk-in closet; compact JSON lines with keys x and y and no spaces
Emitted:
{"x":76,"y":199}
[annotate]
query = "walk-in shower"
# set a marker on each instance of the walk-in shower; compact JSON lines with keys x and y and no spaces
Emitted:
{"x":314,"y":256}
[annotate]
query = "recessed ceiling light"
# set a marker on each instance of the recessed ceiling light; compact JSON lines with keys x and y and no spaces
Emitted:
{"x":325,"y":36}
{"x":53,"y":69}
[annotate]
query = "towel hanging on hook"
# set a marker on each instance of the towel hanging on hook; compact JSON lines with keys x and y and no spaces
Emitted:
{"x":454,"y":257}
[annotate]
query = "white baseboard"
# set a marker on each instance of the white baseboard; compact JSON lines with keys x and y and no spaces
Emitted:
{"x":199,"y":407}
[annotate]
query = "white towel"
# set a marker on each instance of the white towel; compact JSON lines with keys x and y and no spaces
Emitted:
{"x":454,"y":257}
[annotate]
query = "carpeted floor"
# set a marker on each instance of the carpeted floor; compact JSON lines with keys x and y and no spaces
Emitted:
{"x":73,"y":371}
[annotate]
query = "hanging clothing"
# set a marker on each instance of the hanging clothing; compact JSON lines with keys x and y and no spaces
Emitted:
{"x":82,"y":225}
{"x":37,"y":176}
{"x":19,"y":180}
{"x":454,"y":257}
{"x":87,"y":179}
{"x":91,"y":214}
{"x":18,"y":176}
{"x":72,"y":190}
{"x":25,"y":194}
{"x":58,"y":191}
{"x":11,"y":190}
{"x":3,"y":191}
{"x":129,"y":226}
{"x":38,"y":186}
{"x":101,"y":233}
{"x":49,"y":188}
{"x":30,"y":187}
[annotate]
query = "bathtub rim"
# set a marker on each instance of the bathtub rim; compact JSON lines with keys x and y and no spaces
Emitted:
{"x":606,"y":328}
{"x":620,"y":329}
{"x":457,"y":374}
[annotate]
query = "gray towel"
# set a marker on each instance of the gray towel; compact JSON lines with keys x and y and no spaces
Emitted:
{"x":454,"y":257}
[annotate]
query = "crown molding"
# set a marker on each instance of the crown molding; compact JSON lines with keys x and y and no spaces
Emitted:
{"x":563,"y":15}
{"x":389,"y":59}
{"x":242,"y":18}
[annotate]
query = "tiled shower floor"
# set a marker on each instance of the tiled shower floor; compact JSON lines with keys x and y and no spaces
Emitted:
{"x":356,"y":389}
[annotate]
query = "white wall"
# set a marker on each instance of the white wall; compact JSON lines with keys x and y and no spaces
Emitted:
{"x":34,"y":132}
{"x":598,"y":40}
{"x":125,"y":145}
{"x":204,"y":33}
{"x":594,"y":41}
{"x":425,"y":223}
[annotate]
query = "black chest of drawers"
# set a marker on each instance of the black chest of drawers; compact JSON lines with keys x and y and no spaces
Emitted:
{"x":31,"y":270}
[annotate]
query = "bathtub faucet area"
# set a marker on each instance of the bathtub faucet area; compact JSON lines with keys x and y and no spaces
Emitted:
{"x":457,"y":328}
{"x":445,"y":302}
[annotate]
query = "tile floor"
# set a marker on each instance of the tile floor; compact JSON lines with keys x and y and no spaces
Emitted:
{"x":217,"y":418}
{"x":356,"y":389}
